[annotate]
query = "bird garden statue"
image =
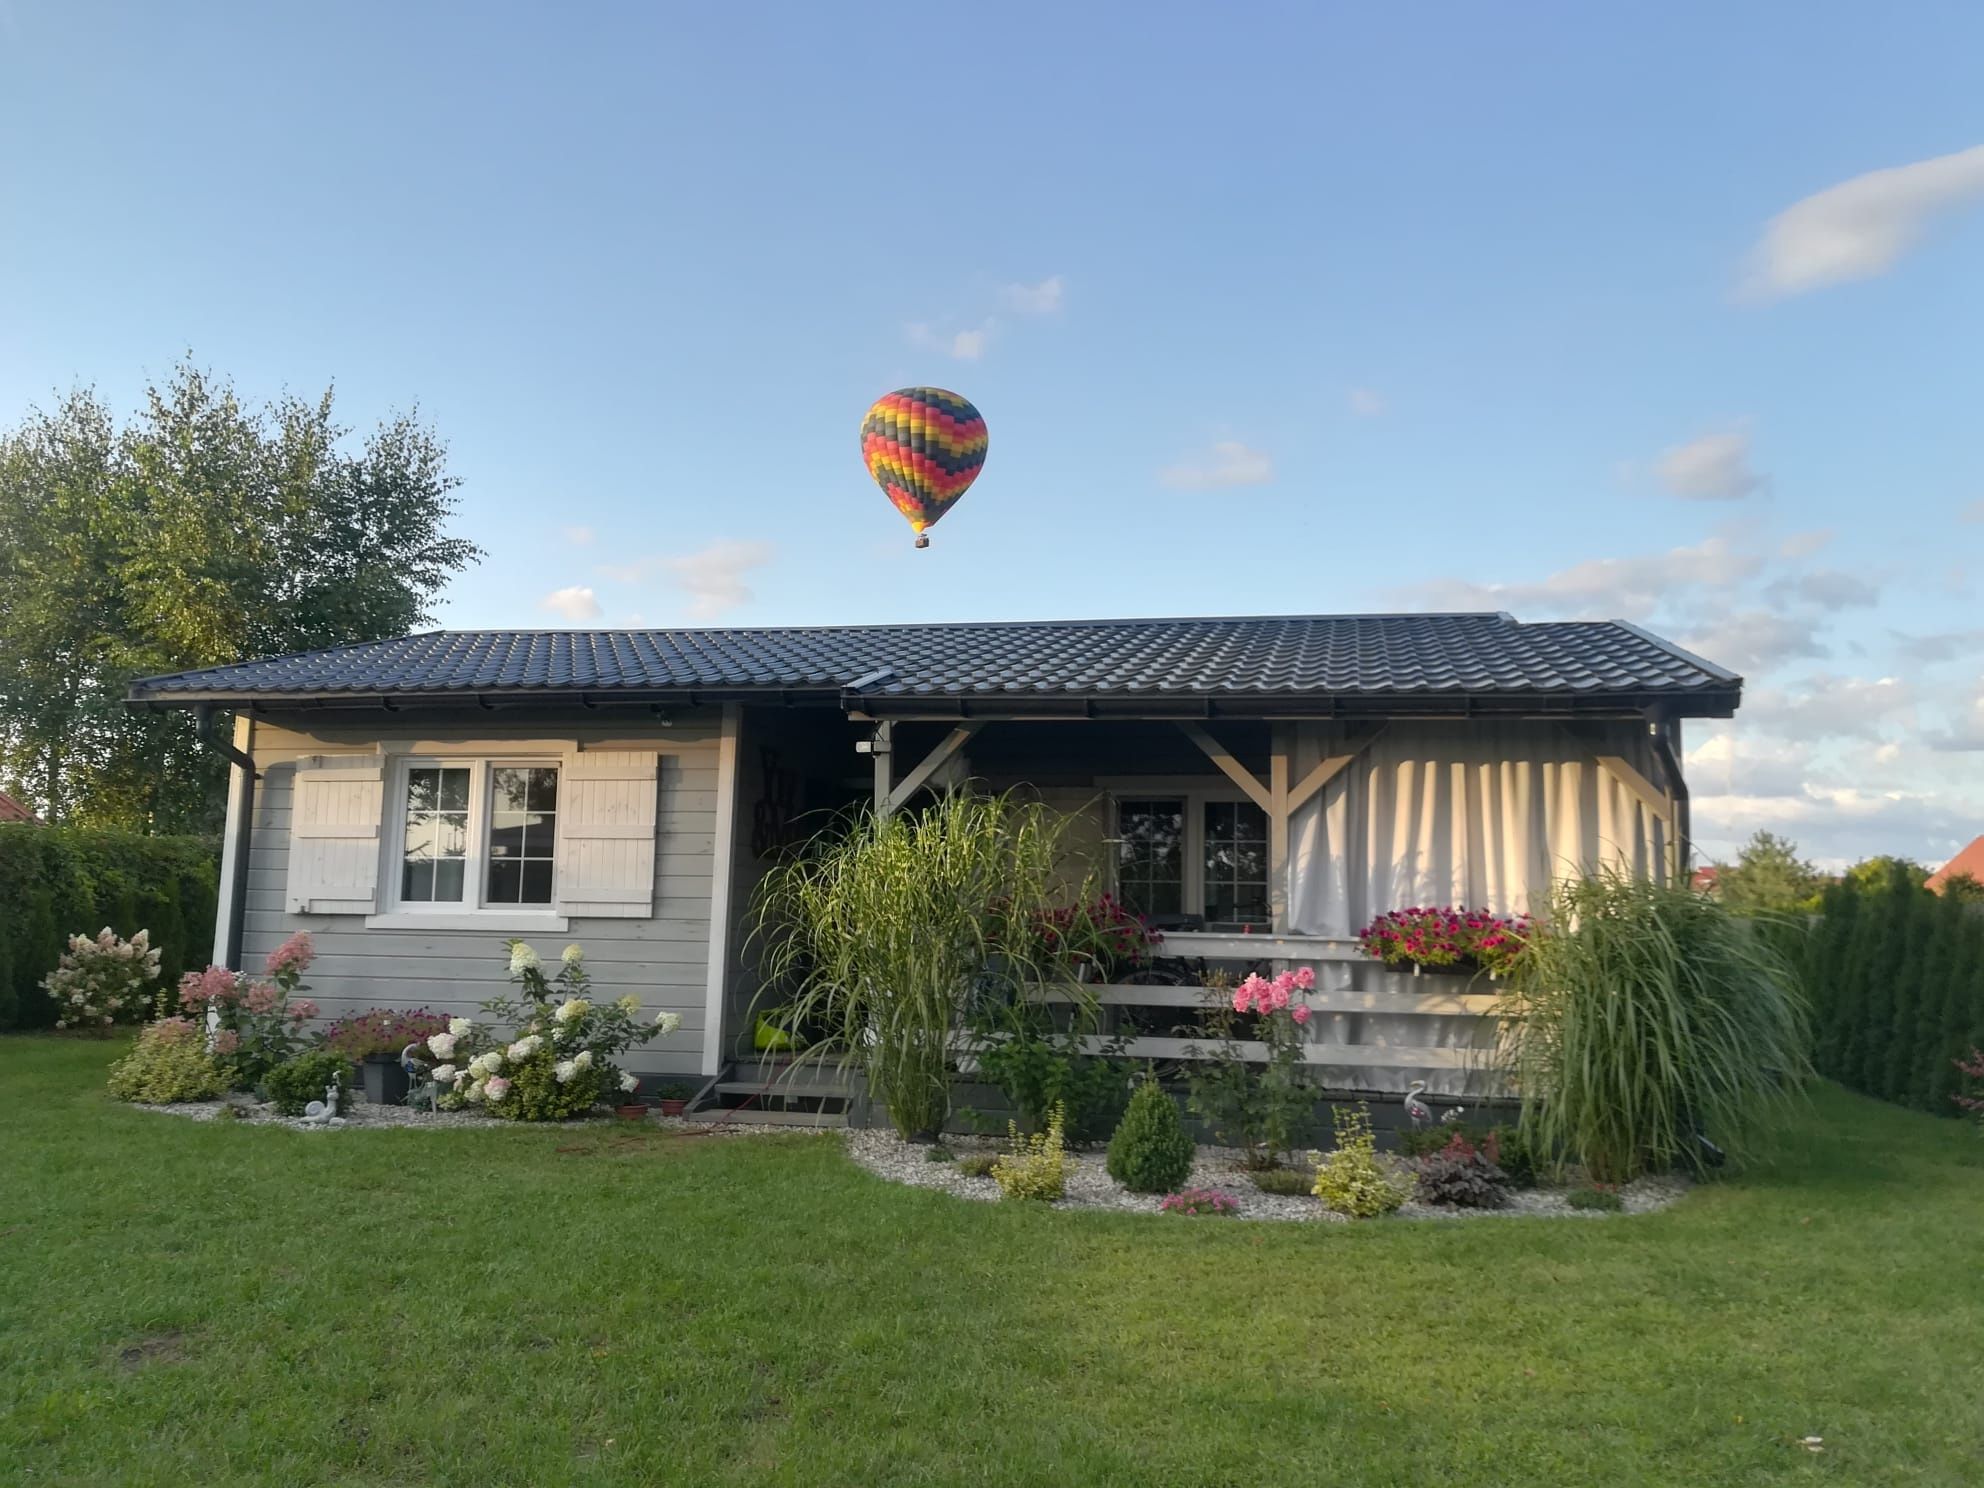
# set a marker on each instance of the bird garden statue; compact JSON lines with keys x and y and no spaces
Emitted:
{"x":1416,"y":1109}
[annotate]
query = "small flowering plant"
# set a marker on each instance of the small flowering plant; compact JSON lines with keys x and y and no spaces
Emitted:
{"x":1196,"y":1201}
{"x":1099,"y":940}
{"x":102,"y":980}
{"x":383,"y":1031}
{"x":1265,"y":1107}
{"x":254,"y":1023}
{"x":558,"y":1062}
{"x":1463,"y":939}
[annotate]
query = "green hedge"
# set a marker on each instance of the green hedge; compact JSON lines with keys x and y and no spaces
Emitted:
{"x":61,"y":881}
{"x":1897,"y":983}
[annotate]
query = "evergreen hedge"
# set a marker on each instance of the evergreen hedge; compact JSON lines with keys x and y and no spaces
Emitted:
{"x":61,"y":881}
{"x":1897,"y":983}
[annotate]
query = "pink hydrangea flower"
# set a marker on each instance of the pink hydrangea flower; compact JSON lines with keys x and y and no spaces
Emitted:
{"x":217,"y":985}
{"x":294,"y":954}
{"x":303,"y":1009}
{"x":263,"y":997}
{"x":227,"y":1041}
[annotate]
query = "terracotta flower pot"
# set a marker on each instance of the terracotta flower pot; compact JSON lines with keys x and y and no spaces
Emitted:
{"x":634,"y":1112}
{"x":674,"y":1107}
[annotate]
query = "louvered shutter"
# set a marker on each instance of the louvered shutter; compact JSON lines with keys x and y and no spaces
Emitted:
{"x":334,"y":840}
{"x":606,"y":809}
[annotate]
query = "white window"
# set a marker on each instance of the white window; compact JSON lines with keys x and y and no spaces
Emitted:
{"x":1193,"y":853}
{"x":475,"y":834}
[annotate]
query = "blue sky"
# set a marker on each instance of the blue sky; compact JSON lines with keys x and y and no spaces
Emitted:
{"x":1559,"y":309}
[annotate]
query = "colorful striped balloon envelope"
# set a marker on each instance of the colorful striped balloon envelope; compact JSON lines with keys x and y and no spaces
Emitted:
{"x":924,"y":447}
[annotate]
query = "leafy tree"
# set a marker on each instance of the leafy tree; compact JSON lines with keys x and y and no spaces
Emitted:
{"x":1874,"y":874}
{"x":1767,"y":877}
{"x":1962,"y":888}
{"x":202,"y":533}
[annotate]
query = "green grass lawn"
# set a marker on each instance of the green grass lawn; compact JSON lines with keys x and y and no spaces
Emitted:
{"x":205,"y":1304}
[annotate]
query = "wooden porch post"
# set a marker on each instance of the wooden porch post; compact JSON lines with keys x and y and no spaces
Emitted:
{"x":1278,"y":759}
{"x":880,"y":746}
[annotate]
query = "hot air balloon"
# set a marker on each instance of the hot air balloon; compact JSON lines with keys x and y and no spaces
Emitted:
{"x":924,"y":447}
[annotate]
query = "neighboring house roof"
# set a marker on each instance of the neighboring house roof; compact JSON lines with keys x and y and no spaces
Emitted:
{"x":1706,"y":879}
{"x":1970,"y":861}
{"x":1440,"y":659}
{"x":13,"y":811}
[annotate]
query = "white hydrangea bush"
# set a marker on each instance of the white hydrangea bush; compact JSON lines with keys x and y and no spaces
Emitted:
{"x":557,"y":1058}
{"x":103,"y":980}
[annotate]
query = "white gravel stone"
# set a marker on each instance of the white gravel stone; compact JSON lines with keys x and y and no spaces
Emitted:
{"x":887,"y":1155}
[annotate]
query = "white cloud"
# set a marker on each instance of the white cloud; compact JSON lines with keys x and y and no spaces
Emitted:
{"x":713,"y":579}
{"x":1600,"y":588}
{"x":1230,"y":463}
{"x":1830,"y":707}
{"x":1859,"y":228}
{"x":1966,"y":736}
{"x":1715,"y":467}
{"x":1043,"y":298}
{"x":1752,"y":641}
{"x":1739,"y":761}
{"x":579,"y":537}
{"x":1942,"y":645}
{"x":1805,"y":544}
{"x":964,"y":346}
{"x":1366,"y":404}
{"x":576,"y":604}
{"x":1836,"y":825}
{"x":1830,"y":588}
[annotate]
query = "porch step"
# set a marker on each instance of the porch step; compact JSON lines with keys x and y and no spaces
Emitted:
{"x":784,"y":1089}
{"x":756,"y":1116}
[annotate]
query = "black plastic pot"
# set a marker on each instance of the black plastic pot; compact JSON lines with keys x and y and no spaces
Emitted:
{"x":384,"y":1078}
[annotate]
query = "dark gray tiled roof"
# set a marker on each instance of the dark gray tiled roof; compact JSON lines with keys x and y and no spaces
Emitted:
{"x":1272,"y":656}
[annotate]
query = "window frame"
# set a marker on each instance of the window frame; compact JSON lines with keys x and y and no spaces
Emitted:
{"x":1196,"y":793}
{"x":473,"y":908}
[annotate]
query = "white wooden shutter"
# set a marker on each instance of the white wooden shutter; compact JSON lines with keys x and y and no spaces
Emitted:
{"x":334,"y":840}
{"x":606,"y":812}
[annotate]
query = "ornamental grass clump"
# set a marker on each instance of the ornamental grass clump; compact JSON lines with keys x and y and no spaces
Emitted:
{"x":1351,"y":1180}
{"x":169,"y":1063}
{"x":878,"y":938}
{"x":545,"y":1055}
{"x":1646,"y":1019}
{"x":102,"y":981}
{"x":1038,"y":1165}
{"x":1151,"y":1151}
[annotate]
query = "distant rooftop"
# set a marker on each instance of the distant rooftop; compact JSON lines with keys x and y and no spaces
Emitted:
{"x":1970,"y":861}
{"x":1485,"y":660}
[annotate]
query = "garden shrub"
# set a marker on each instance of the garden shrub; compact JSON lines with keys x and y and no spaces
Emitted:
{"x":1644,"y":1016}
{"x":103,"y":980}
{"x":1037,"y":1068}
{"x":1151,"y":1151}
{"x":1595,"y":1198}
{"x":560,"y":1062}
{"x":1897,"y":980}
{"x":1037,"y":1167}
{"x":1289,"y":1182}
{"x":1502,"y":1145}
{"x":296,"y":1082}
{"x":168,"y":1063}
{"x":55,"y":881}
{"x":1264,"y":1108}
{"x":978,"y":1164}
{"x":1462,"y":1176}
{"x":260,"y":1026}
{"x":1351,"y":1180}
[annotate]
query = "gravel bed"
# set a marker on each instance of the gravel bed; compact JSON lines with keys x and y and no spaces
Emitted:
{"x":886,"y":1155}
{"x":364,"y":1115}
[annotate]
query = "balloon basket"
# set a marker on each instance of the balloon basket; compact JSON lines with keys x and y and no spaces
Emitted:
{"x":922,"y":539}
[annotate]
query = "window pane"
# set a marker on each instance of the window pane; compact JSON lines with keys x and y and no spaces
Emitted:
{"x":1150,"y":855}
{"x":423,"y":787}
{"x":543,"y":790}
{"x":448,"y":877}
{"x":454,"y":790}
{"x":506,"y":881}
{"x":417,"y":880}
{"x":1236,"y":862}
{"x":537,"y":882}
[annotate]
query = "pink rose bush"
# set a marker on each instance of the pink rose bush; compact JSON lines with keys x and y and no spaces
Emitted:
{"x":1469,"y":939}
{"x":1265,"y":1106}
{"x":102,"y":980}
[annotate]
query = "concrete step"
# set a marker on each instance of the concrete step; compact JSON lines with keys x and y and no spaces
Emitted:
{"x":755,"y":1116}
{"x":785,"y":1089}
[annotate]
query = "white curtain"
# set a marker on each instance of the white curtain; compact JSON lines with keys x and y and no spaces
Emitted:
{"x":1477,"y":814}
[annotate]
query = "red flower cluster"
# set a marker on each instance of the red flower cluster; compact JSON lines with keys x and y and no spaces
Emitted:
{"x":1424,"y":936}
{"x":1105,"y":929}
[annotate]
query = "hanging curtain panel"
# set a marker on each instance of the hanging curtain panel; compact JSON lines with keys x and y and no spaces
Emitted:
{"x":1476,"y":814}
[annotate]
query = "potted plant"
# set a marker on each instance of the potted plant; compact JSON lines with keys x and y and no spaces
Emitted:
{"x":631,"y":1107}
{"x":674,"y":1097}
{"x":1466,"y":942}
{"x":375,"y":1040}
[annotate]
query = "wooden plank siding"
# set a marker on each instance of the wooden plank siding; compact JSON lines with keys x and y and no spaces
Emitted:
{"x":663,"y":959}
